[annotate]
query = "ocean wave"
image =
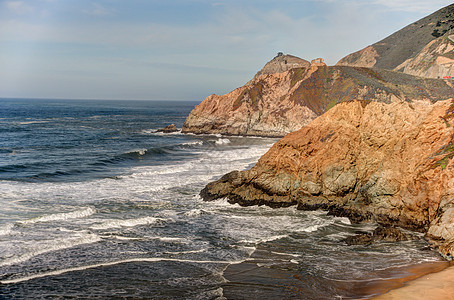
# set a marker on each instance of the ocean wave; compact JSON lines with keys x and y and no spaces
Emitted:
{"x":223,"y":141}
{"x":41,"y":247}
{"x":195,"y":213}
{"x":82,"y":213}
{"x":153,"y":132}
{"x":126,"y":223}
{"x":313,"y":228}
{"x":171,"y":239}
{"x":107,"y":264}
{"x":30,"y":122}
{"x":264,"y":239}
{"x":6,"y":229}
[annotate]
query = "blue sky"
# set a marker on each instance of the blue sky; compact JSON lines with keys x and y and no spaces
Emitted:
{"x":178,"y":49}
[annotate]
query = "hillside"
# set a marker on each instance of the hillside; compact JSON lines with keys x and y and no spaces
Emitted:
{"x":279,"y":103}
{"x":405,"y":44}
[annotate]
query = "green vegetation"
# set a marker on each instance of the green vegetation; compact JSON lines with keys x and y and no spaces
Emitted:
{"x":252,"y":94}
{"x":448,"y":150}
{"x":448,"y":153}
{"x":239,"y":100}
{"x":331,"y":104}
{"x":296,"y":75}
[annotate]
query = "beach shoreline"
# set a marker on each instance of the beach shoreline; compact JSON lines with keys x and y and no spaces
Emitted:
{"x":428,"y":282}
{"x":296,"y":282}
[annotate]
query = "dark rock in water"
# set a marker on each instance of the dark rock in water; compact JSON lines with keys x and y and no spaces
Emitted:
{"x":389,"y":234}
{"x":359,"y":239}
{"x":168,"y":129}
{"x":381,"y":233}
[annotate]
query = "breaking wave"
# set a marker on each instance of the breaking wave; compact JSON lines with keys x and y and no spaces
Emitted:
{"x":82,"y":213}
{"x":126,"y":223}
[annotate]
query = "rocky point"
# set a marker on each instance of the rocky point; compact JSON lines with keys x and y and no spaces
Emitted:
{"x":274,"y":104}
{"x":391,"y":163}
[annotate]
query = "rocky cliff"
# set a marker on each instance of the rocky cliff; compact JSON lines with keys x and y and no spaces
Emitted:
{"x":371,"y":161}
{"x":407,"y":50}
{"x":278,"y":103}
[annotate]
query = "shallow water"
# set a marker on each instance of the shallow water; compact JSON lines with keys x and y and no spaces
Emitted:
{"x":93,"y":203}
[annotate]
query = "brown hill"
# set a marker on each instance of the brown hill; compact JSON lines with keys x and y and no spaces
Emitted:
{"x":406,"y":44}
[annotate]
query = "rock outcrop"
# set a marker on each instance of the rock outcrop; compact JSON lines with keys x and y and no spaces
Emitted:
{"x":168,"y":129}
{"x":388,"y":234}
{"x":413,"y":49}
{"x":281,"y":63}
{"x":279,"y":103}
{"x":370,"y":161}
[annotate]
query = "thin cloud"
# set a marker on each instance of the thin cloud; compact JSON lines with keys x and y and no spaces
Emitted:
{"x":99,"y":10}
{"x":19,"y":7}
{"x":423,"y":6}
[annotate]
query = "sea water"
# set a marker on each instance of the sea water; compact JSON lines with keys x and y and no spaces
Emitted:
{"x":95,"y":204}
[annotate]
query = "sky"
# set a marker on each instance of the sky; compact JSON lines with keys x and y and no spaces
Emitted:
{"x":178,"y":49}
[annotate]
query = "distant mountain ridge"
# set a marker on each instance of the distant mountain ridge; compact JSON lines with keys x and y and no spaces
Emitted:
{"x":406,"y":50}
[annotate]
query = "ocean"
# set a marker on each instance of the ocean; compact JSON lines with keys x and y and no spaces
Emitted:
{"x":95,"y":204}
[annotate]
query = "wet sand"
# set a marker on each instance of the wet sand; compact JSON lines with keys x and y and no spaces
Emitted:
{"x":252,"y":279}
{"x":434,"y":286}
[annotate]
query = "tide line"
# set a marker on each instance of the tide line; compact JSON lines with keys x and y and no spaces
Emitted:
{"x":107,"y":264}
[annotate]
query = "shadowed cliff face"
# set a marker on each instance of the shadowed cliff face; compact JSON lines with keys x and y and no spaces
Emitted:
{"x":389,"y":163}
{"x":277,"y":104}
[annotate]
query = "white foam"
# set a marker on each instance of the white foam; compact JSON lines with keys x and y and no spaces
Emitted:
{"x":160,"y":133}
{"x":41,"y":247}
{"x":172,"y":239}
{"x":345,"y":220}
{"x":196,"y":143}
{"x":195,"y":212}
{"x":312,"y":228}
{"x":264,"y":240}
{"x":187,"y":252}
{"x":125,"y":223}
{"x":82,"y":213}
{"x":286,"y":254}
{"x":107,"y":264}
{"x":6,"y":229}
{"x":223,"y":141}
{"x":31,"y":122}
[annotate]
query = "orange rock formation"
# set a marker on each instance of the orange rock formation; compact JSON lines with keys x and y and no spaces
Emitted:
{"x":389,"y":163}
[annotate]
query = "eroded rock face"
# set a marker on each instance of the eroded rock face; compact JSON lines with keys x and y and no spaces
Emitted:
{"x":277,"y":104}
{"x":389,"y":163}
{"x":282,"y":63}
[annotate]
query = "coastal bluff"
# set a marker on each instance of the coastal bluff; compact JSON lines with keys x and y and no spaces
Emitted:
{"x":390,"y":163}
{"x":289,"y":93}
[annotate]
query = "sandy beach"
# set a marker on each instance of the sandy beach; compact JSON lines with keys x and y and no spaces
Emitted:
{"x":434,"y":286}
